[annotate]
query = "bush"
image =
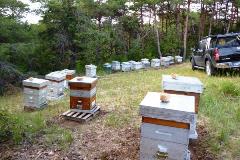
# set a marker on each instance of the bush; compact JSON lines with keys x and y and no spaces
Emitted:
{"x":5,"y":125}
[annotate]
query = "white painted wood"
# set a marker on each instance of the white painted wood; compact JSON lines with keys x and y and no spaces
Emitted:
{"x":182,"y":83}
{"x":150,"y":147}
{"x":165,"y":133}
{"x":126,"y":66}
{"x":56,"y":76}
{"x":180,"y":108}
{"x":145,"y":63}
{"x":30,"y":91}
{"x":155,"y":63}
{"x":171,"y":59}
{"x":132,"y":64}
{"x":86,"y":80}
{"x":91,"y":70}
{"x":116,"y":66}
{"x":178,"y":59}
{"x":35,"y":82}
{"x":165,"y":61}
{"x":83,"y":93}
{"x":137,"y":65}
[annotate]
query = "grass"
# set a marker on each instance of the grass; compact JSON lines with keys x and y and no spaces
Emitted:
{"x":120,"y":95}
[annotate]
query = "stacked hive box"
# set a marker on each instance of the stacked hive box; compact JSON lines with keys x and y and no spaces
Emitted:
{"x":116,"y":66}
{"x":190,"y":86}
{"x":165,"y":127}
{"x":132,"y":64}
{"x":171,"y":59}
{"x":126,"y":66}
{"x":145,"y":62}
{"x":155,"y":63}
{"x":137,"y":65}
{"x":35,"y":93}
{"x":107,"y":68}
{"x":56,"y":85}
{"x":165,"y":61}
{"x":83,"y":93}
{"x":91,"y":70}
{"x":178,"y":59}
{"x":69,"y":75}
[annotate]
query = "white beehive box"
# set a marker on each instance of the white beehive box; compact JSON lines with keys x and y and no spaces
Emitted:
{"x":165,"y":61}
{"x":56,"y":85}
{"x":145,"y":63}
{"x":91,"y":70}
{"x":155,"y":63}
{"x":116,"y":66}
{"x":132,"y":64}
{"x":35,"y":92}
{"x":126,"y":66}
{"x":137,"y":65}
{"x":182,"y":83}
{"x":171,"y":59}
{"x":67,"y":73}
{"x":162,"y":138}
{"x":178,"y":59}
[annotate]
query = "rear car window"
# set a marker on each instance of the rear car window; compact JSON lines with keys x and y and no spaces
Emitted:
{"x":233,"y":41}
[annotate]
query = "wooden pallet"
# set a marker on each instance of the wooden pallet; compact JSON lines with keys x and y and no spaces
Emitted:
{"x":81,"y":115}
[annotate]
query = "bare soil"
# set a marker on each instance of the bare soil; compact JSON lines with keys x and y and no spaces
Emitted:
{"x":95,"y":141}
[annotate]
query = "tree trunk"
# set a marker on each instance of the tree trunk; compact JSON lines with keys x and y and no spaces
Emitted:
{"x":186,"y":32}
{"x":157,"y":33}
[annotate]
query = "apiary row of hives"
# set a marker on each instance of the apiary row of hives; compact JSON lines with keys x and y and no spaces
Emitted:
{"x":143,"y":64}
{"x":169,"y":119}
{"x":37,"y":91}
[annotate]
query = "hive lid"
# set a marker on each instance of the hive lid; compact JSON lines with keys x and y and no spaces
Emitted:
{"x":56,"y":76}
{"x":91,"y":66}
{"x":155,"y":60}
{"x":179,"y":108}
{"x":87,"y":80}
{"x":126,"y":63}
{"x":35,"y":82}
{"x":182,"y":83}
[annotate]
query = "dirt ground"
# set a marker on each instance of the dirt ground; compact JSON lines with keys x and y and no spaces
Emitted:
{"x":94,"y":141}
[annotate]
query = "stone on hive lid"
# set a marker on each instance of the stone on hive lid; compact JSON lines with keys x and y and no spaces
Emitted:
{"x":182,"y":83}
{"x":180,"y":108}
{"x":35,"y":82}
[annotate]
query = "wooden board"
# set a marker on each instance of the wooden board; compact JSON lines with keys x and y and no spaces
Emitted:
{"x":80,"y":116}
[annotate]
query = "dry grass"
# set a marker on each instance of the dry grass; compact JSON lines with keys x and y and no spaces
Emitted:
{"x":120,"y":94}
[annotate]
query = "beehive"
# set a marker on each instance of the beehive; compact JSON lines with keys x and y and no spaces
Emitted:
{"x":83,"y":93}
{"x":171,"y":59}
{"x":178,"y":59}
{"x":165,"y":61}
{"x":189,"y":86}
{"x":56,"y":85}
{"x":126,"y":66}
{"x":145,"y":63}
{"x":35,"y":93}
{"x":116,"y":66}
{"x":132,"y":64}
{"x":69,"y":74}
{"x":107,"y":68}
{"x":91,"y":70}
{"x":165,"y":127}
{"x":137,"y":65}
{"x":155,"y":63}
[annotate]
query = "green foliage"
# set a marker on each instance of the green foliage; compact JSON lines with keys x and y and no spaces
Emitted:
{"x":229,"y":88}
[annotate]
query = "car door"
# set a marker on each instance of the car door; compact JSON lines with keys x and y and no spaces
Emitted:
{"x":198,"y":54}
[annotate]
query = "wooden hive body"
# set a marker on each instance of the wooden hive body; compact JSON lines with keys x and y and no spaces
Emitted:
{"x":35,"y":93}
{"x":82,"y":93}
{"x":165,"y":126}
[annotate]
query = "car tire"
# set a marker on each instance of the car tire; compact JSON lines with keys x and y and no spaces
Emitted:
{"x":210,"y":70}
{"x":193,"y":64}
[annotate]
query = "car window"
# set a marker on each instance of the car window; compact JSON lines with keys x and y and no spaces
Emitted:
{"x":228,"y":42}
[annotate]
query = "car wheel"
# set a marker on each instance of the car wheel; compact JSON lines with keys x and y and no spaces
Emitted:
{"x":210,"y":70}
{"x":193,"y":64}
